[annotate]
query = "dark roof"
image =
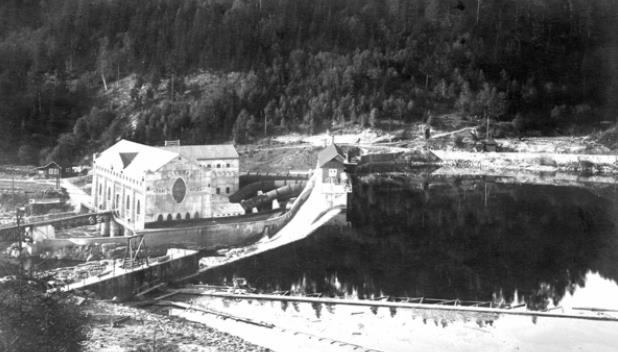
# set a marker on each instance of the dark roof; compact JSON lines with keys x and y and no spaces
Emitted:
{"x":329,"y":153}
{"x":49,"y":165}
{"x":204,"y":152}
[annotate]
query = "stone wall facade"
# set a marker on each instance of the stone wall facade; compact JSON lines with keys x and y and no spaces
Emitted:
{"x":179,"y":187}
{"x":225,"y":175}
{"x":179,"y":190}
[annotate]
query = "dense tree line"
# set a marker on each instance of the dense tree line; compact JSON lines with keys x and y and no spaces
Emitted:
{"x":300,"y":65}
{"x":32,"y":319}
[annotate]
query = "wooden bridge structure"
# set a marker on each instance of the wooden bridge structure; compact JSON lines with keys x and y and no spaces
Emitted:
{"x":10,"y":232}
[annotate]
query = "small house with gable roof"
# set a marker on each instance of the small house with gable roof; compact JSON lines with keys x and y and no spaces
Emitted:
{"x":330,"y":164}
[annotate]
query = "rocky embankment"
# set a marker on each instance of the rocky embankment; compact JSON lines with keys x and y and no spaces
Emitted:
{"x":141,"y":330}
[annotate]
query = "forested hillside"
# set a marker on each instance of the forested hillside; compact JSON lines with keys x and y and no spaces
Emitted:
{"x":279,"y":65}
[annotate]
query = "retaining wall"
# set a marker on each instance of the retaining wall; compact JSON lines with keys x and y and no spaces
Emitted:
{"x":128,"y":284}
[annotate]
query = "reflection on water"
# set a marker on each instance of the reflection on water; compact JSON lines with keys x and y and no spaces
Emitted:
{"x":419,"y":235}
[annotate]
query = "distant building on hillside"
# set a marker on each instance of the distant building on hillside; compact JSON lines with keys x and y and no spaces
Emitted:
{"x":146,"y":184}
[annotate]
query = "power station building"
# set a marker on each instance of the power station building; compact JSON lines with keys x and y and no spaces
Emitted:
{"x":145,"y":184}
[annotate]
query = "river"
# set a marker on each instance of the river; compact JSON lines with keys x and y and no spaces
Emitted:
{"x":470,"y":238}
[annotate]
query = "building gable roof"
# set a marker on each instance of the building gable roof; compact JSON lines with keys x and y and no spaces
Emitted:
{"x":204,"y":152}
{"x":134,"y":159}
{"x":51,"y":164}
{"x":329,"y":153}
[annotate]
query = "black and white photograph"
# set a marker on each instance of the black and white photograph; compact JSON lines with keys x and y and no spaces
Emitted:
{"x":308,"y":175}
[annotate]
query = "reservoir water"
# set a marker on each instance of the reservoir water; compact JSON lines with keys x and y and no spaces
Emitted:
{"x":468,"y":238}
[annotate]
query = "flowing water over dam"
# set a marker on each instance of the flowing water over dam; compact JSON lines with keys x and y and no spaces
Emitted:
{"x":470,"y":238}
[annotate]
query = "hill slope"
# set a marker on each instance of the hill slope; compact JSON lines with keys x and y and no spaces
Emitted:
{"x":280,"y":65}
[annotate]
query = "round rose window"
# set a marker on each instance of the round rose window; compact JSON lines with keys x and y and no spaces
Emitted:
{"x":179,"y":190}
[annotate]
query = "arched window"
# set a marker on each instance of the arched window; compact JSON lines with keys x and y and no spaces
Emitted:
{"x":227,"y":190}
{"x":218,"y":190}
{"x":128,"y":202}
{"x":196,"y":215}
{"x":187,"y":216}
{"x":160,"y":218}
{"x":178,"y":216}
{"x":109,"y":194}
{"x":137,"y":208}
{"x":218,"y":166}
{"x":227,"y":165}
{"x":169,"y":217}
{"x":117,"y":203}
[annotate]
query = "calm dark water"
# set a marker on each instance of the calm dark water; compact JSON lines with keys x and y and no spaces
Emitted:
{"x":450,"y":237}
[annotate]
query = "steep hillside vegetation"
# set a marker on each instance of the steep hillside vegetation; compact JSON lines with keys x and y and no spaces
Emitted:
{"x":279,"y":65}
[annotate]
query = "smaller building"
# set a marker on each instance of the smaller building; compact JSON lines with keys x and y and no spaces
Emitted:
{"x":330,"y":165}
{"x":50,"y":170}
{"x":54,"y":170}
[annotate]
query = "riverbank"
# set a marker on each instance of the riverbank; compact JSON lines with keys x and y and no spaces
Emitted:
{"x":541,"y":155}
{"x":300,"y":325}
{"x":146,"y":331}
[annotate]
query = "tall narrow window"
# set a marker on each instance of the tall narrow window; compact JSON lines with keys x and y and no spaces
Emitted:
{"x":137,"y":208}
{"x":128,"y":202}
{"x":218,"y":190}
{"x":227,"y":190}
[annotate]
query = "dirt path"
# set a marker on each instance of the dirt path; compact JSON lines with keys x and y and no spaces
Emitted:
{"x":77,"y":195}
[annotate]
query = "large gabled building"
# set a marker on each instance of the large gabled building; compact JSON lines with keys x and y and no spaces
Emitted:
{"x":145,"y":184}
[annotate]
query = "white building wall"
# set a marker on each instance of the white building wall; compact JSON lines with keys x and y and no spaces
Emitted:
{"x":160,"y":203}
{"x":153,"y":191}
{"x":115,"y":185}
{"x":225,"y":177}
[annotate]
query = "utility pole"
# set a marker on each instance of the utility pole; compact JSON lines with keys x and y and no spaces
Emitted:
{"x":19,"y":213}
{"x":478,"y":9}
{"x":20,"y":274}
